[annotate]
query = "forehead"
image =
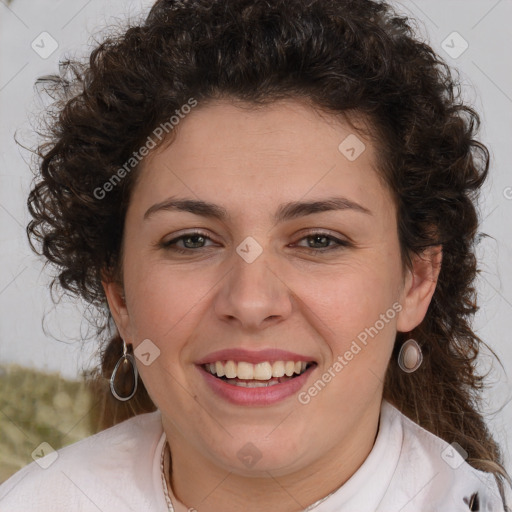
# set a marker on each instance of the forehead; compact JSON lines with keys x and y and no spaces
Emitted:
{"x":291,"y":125}
{"x":285,"y":149}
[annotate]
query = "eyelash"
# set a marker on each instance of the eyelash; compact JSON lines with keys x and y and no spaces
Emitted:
{"x":339,"y":243}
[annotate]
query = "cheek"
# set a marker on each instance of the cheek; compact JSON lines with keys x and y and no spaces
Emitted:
{"x":355,"y":312}
{"x":161,"y":301}
{"x":351,"y":297}
{"x":164,"y":310}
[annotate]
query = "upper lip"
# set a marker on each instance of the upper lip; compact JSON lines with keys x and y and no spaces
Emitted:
{"x":254,"y":357}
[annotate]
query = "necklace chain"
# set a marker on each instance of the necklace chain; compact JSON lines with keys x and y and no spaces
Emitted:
{"x":165,"y":483}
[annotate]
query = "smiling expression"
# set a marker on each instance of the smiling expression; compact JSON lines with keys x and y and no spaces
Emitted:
{"x":252,"y":232}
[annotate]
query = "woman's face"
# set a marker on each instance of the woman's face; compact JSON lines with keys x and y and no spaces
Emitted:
{"x":258,"y":279}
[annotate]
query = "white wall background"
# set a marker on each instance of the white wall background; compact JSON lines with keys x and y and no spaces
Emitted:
{"x":24,"y":298}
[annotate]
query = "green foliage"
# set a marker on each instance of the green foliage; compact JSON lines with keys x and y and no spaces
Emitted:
{"x":38,"y":407}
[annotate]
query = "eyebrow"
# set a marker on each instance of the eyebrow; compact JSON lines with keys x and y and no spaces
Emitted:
{"x":285,"y":211}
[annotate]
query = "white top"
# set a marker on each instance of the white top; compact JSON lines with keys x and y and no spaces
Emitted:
{"x":119,"y":470}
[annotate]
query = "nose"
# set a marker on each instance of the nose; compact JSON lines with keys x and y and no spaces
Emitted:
{"x":254,"y":295}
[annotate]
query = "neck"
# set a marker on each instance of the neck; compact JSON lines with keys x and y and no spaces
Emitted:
{"x":198,"y":483}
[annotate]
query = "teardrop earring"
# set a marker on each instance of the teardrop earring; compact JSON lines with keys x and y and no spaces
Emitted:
{"x":410,"y":356}
{"x":128,"y":383}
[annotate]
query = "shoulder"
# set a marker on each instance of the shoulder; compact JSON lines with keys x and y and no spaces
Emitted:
{"x":103,"y":471}
{"x":437,"y":474}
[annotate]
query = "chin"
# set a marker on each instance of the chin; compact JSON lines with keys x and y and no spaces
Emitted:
{"x":257,"y":457}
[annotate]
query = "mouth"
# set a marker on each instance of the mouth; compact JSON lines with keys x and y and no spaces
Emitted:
{"x":259,"y":375}
{"x":261,"y":384}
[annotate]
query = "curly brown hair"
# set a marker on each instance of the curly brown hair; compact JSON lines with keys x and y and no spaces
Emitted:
{"x":343,"y":56}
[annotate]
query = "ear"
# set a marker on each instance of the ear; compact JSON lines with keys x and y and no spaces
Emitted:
{"x":117,"y":305}
{"x":420,"y":284}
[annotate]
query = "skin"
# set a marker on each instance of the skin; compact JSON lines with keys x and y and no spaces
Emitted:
{"x":250,"y":160}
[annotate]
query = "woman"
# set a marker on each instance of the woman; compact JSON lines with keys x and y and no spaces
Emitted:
{"x":273,"y":205}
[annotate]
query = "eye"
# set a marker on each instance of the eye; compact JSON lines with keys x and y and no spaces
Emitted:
{"x":323,"y":239}
{"x":196,"y":239}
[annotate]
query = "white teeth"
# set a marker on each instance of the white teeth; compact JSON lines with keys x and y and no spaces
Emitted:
{"x":230,"y":369}
{"x":278,"y":369}
{"x":219,"y":369}
{"x":252,"y":384}
{"x":289,"y":368}
{"x":260,"y":372}
{"x":245,"y":371}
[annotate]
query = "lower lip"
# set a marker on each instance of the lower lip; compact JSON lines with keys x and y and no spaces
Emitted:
{"x":255,"y":396}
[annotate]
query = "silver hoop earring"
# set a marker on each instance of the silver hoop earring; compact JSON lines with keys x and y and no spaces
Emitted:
{"x":122,"y":366}
{"x":410,"y":356}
